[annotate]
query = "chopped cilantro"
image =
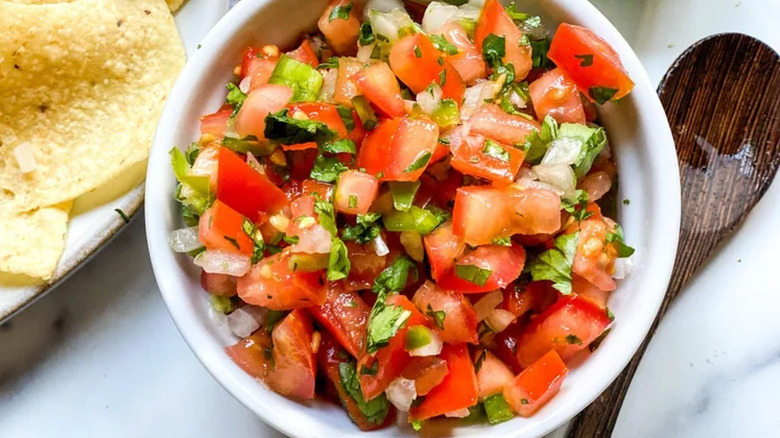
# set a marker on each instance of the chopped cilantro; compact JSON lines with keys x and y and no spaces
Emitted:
{"x":122,"y":214}
{"x":376,"y":409}
{"x":419,"y":163}
{"x":473,"y":274}
{"x":537,"y":141}
{"x":443,"y":45}
{"x":327,"y":169}
{"x":393,"y":278}
{"x":341,"y":12}
{"x":437,"y":315}
{"x":616,"y":238}
{"x":366,"y":34}
{"x":577,"y":206}
{"x":285,"y":129}
{"x":346,"y":117}
{"x":601,"y":94}
{"x":417,"y":51}
{"x":555,"y":263}
{"x":340,"y":146}
{"x":587,"y":59}
{"x":573,"y":340}
{"x":338,"y":261}
{"x":495,"y":150}
{"x":365,"y":229}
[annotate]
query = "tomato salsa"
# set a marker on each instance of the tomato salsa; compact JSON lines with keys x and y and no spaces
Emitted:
{"x":404,"y":212}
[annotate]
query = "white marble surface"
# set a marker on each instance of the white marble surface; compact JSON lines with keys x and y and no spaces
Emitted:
{"x":100,"y":356}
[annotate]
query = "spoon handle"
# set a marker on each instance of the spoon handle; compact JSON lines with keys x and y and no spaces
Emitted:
{"x":722,"y":99}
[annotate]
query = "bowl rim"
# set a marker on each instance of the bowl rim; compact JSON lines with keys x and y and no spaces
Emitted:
{"x":196,"y":335}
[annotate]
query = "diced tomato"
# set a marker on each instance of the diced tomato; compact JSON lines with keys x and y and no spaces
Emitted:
{"x":294,"y":370}
{"x":218,"y":284}
{"x":272,"y":283}
{"x":442,"y":248}
{"x":366,"y":265}
{"x":379,"y":85}
{"x":399,"y":149}
{"x":253,"y":353}
{"x":484,"y":158}
{"x":460,"y":322}
{"x":513,"y":211}
{"x":536,"y":296}
{"x":221,"y":228}
{"x":468,"y":61}
{"x":492,"y":122}
{"x":590,"y":61}
{"x":358,"y":133}
{"x":341,"y":33}
{"x":536,"y":385}
{"x":494,"y":20}
{"x":418,"y":72}
{"x":568,"y":327}
{"x":245,"y":189}
{"x":215,"y":124}
{"x":321,"y":112}
{"x":329,"y":356}
{"x":301,"y":161}
{"x":501,"y":264}
{"x":305,"y":53}
{"x":595,"y":257}
{"x":556,"y":95}
{"x":447,"y":188}
{"x":391,"y":359}
{"x":258,"y":64}
{"x":457,"y":391}
{"x":587,"y":290}
{"x":301,"y":208}
{"x":427,"y":372}
{"x":345,"y":316}
{"x":493,"y":375}
{"x":355,"y":192}
{"x":311,"y":187}
{"x":266,"y":99}
{"x":346,"y":88}
{"x":505,"y":345}
{"x":207,"y":164}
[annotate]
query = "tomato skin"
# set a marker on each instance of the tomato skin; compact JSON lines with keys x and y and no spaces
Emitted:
{"x":245,"y":189}
{"x":251,"y":353}
{"x":270,"y":283}
{"x":492,"y":122}
{"x":468,"y":61}
{"x":469,"y":157}
{"x":374,"y":153}
{"x":329,"y":356}
{"x":604,"y":70}
{"x":494,"y":19}
{"x":556,"y":95}
{"x":505,"y":263}
{"x":220,"y":228}
{"x":536,"y":296}
{"x":506,"y":345}
{"x":460,"y":324}
{"x":345,"y":315}
{"x":513,"y":211}
{"x":266,"y":99}
{"x":393,"y":358}
{"x":420,"y":72}
{"x":537,"y":384}
{"x":341,"y":34}
{"x":346,"y":88}
{"x":218,"y":284}
{"x":427,"y":373}
{"x":379,"y":85}
{"x":215,"y":124}
{"x":305,"y":53}
{"x":557,"y":326}
{"x":457,"y":391}
{"x":366,"y":265}
{"x":395,"y":144}
{"x":442,"y":248}
{"x":294,"y":370}
{"x":493,"y":375}
{"x":355,"y":192}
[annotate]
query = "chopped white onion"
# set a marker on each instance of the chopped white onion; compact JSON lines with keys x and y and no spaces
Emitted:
{"x":380,"y":247}
{"x":409,"y":106}
{"x":242,"y":323}
{"x":381,"y":6}
{"x":389,"y":23}
{"x":25,"y":157}
{"x":401,"y":393}
{"x":245,"y":84}
{"x":364,"y":53}
{"x":220,"y":321}
{"x":476,"y":95}
{"x":486,"y":304}
{"x":499,"y":319}
{"x":313,"y":240}
{"x":429,"y":101}
{"x":254,"y":164}
{"x":517,"y":100}
{"x":623,"y":267}
{"x":558,"y":175}
{"x":438,"y":14}
{"x":460,"y":413}
{"x":329,"y":78}
{"x":562,"y":151}
{"x":216,"y":261}
{"x":431,"y":349}
{"x":184,"y":239}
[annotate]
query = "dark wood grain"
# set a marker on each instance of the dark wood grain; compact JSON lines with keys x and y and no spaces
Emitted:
{"x":722,"y":99}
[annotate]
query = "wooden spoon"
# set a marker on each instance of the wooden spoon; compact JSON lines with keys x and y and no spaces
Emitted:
{"x":722,"y":99}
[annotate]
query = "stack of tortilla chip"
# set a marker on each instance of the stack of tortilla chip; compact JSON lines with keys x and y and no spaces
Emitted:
{"x":82,"y":85}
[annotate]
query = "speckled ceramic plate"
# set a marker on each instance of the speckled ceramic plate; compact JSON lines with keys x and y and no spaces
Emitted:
{"x":94,"y":219}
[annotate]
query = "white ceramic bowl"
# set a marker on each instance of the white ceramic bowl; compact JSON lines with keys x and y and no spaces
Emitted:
{"x":639,"y":135}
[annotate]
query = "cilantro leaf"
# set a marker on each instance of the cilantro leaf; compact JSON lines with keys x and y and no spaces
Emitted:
{"x":555,"y":263}
{"x":341,"y":12}
{"x":494,"y":50}
{"x":601,"y":94}
{"x":338,"y":261}
{"x":577,"y":206}
{"x":443,"y":45}
{"x":366,"y":34}
{"x":235,"y":97}
{"x":393,"y":278}
{"x":346,"y":117}
{"x":289,"y":130}
{"x":473,"y":274}
{"x":586,"y":60}
{"x":495,"y":150}
{"x":537,"y":141}
{"x":419,"y":163}
{"x":340,"y":146}
{"x":327,"y":169}
{"x":376,"y":409}
{"x":593,"y":141}
{"x":616,"y":238}
{"x":326,"y":215}
{"x":438,"y":316}
{"x":365,"y":230}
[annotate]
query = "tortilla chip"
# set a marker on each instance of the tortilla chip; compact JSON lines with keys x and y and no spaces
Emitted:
{"x":84,"y":83}
{"x":173,"y":5}
{"x":32,"y":242}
